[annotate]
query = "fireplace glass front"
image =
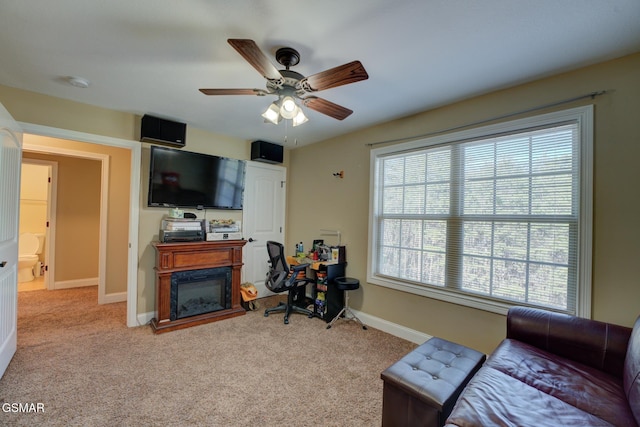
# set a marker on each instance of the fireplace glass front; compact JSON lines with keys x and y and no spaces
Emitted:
{"x":200,"y":291}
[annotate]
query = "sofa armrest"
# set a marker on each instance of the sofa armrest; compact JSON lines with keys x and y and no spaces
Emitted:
{"x":593,"y":343}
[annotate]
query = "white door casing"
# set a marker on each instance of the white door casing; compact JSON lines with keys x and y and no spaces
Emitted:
{"x":10,"y":165}
{"x":263,"y":219}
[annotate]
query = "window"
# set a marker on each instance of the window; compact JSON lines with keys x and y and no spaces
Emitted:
{"x":491,"y":217}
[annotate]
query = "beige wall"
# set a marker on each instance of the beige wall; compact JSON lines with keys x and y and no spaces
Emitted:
{"x":344,"y":203}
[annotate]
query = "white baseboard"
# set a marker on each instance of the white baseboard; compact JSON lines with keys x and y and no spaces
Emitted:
{"x":77,"y":283}
{"x":145,"y":318}
{"x":92,"y":281}
{"x":114,"y":297}
{"x":399,"y":331}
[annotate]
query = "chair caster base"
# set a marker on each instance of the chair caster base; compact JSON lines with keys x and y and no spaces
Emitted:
{"x":287,"y":309}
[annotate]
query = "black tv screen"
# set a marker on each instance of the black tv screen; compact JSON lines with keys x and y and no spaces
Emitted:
{"x":192,"y":180}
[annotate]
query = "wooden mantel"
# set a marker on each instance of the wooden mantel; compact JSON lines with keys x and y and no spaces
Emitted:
{"x":188,"y":256}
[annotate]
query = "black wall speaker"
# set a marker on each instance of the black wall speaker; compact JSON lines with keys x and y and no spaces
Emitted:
{"x":263,"y":151}
{"x":163,"y":131}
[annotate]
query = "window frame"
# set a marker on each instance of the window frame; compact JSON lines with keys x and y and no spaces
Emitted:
{"x":583,"y":116}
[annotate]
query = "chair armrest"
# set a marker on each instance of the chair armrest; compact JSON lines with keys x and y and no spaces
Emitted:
{"x":294,"y":280}
{"x":299,"y":267}
{"x":593,"y":343}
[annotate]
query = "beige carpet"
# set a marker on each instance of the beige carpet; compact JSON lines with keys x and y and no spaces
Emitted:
{"x":87,"y":368}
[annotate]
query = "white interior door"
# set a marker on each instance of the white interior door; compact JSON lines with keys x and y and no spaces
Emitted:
{"x":262,"y":219}
{"x":10,"y":164}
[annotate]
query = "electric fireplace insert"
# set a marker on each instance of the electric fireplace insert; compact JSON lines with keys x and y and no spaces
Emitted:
{"x":197,"y":292}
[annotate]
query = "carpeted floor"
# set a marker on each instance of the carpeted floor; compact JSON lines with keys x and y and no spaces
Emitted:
{"x":86,"y":368}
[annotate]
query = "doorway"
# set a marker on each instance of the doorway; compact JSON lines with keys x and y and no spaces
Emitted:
{"x":77,"y":233}
{"x":129,"y":247}
{"x":37,"y":197}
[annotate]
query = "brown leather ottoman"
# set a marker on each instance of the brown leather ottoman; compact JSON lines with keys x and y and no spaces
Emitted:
{"x":422,"y":387}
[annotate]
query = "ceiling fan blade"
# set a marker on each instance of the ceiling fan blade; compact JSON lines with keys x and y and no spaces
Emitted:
{"x":258,"y":92}
{"x":337,"y":76}
{"x":327,"y":107}
{"x":254,"y":56}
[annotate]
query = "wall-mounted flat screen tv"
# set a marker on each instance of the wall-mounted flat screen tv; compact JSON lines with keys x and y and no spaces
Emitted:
{"x":192,"y":180}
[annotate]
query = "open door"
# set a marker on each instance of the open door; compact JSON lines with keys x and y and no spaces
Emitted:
{"x":10,"y":164}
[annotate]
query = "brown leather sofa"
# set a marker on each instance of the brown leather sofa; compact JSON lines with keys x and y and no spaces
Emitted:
{"x":556,"y":370}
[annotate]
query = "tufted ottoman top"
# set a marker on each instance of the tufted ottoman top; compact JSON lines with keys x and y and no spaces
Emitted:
{"x":435,"y":372}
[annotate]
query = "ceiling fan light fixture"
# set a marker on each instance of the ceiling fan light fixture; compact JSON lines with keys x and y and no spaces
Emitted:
{"x":288,"y":85}
{"x":272,"y":113}
{"x":299,"y":118}
{"x":288,"y":108}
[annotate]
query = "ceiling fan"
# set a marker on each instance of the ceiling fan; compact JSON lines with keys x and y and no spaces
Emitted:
{"x":288,"y":84}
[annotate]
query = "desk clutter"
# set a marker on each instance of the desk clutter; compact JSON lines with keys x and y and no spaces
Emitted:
{"x":321,"y":252}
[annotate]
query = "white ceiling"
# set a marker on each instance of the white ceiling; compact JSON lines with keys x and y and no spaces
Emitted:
{"x":152,"y":56}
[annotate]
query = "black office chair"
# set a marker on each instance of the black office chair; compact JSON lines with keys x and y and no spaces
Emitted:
{"x":280,"y":279}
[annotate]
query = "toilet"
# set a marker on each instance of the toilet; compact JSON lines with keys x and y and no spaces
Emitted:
{"x":29,"y":247}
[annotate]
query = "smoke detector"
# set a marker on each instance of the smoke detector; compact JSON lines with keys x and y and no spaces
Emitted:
{"x":78,"y":82}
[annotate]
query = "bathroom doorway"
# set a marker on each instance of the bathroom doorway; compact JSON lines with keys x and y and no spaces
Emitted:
{"x":37,"y":216}
{"x":77,"y":215}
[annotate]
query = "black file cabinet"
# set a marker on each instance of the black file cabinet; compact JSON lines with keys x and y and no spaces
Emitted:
{"x":328,"y":299}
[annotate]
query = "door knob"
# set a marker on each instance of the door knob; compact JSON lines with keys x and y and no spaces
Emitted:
{"x":251,"y":239}
{"x":3,"y":263}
